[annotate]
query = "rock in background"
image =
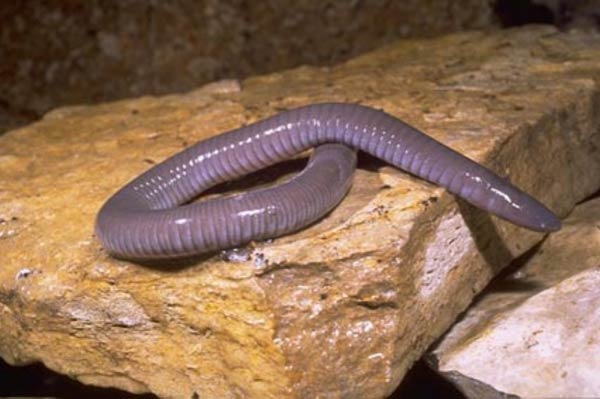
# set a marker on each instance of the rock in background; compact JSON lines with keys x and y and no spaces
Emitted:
{"x":81,"y":52}
{"x":534,"y":333}
{"x":343,"y":308}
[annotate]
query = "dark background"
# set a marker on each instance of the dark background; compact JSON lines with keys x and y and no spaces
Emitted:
{"x":62,"y":52}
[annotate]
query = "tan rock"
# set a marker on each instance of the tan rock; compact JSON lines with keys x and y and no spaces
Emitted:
{"x":341,"y":309}
{"x":535,"y":332}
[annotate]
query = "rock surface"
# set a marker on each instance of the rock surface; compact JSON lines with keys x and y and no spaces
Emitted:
{"x":341,"y":309}
{"x":535,"y":332}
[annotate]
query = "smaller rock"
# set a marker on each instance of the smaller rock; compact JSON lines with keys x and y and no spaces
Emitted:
{"x":535,"y":333}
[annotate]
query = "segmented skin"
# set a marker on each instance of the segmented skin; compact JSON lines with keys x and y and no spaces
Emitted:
{"x":146,"y":218}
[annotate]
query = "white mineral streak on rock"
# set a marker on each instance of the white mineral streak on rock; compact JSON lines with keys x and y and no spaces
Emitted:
{"x":452,"y":241}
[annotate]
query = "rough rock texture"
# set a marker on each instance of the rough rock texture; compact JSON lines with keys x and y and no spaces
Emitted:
{"x":82,"y":51}
{"x":341,"y":309}
{"x":535,"y":332}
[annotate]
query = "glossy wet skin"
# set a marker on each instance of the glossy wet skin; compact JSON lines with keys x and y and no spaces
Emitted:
{"x":145,"y":219}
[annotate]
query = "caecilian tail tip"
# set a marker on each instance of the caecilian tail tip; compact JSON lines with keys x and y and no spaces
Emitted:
{"x":544,"y":220}
{"x":551,"y":224}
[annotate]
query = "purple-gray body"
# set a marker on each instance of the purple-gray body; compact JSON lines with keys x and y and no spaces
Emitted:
{"x":146,"y":218}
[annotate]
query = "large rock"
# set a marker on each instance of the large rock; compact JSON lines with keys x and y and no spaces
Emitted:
{"x":535,"y":332}
{"x":341,"y":309}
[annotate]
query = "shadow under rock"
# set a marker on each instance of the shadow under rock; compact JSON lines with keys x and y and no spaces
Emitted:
{"x":421,"y":382}
{"x":36,"y":380}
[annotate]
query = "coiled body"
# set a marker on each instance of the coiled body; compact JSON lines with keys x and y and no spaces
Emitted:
{"x":146,"y":218}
